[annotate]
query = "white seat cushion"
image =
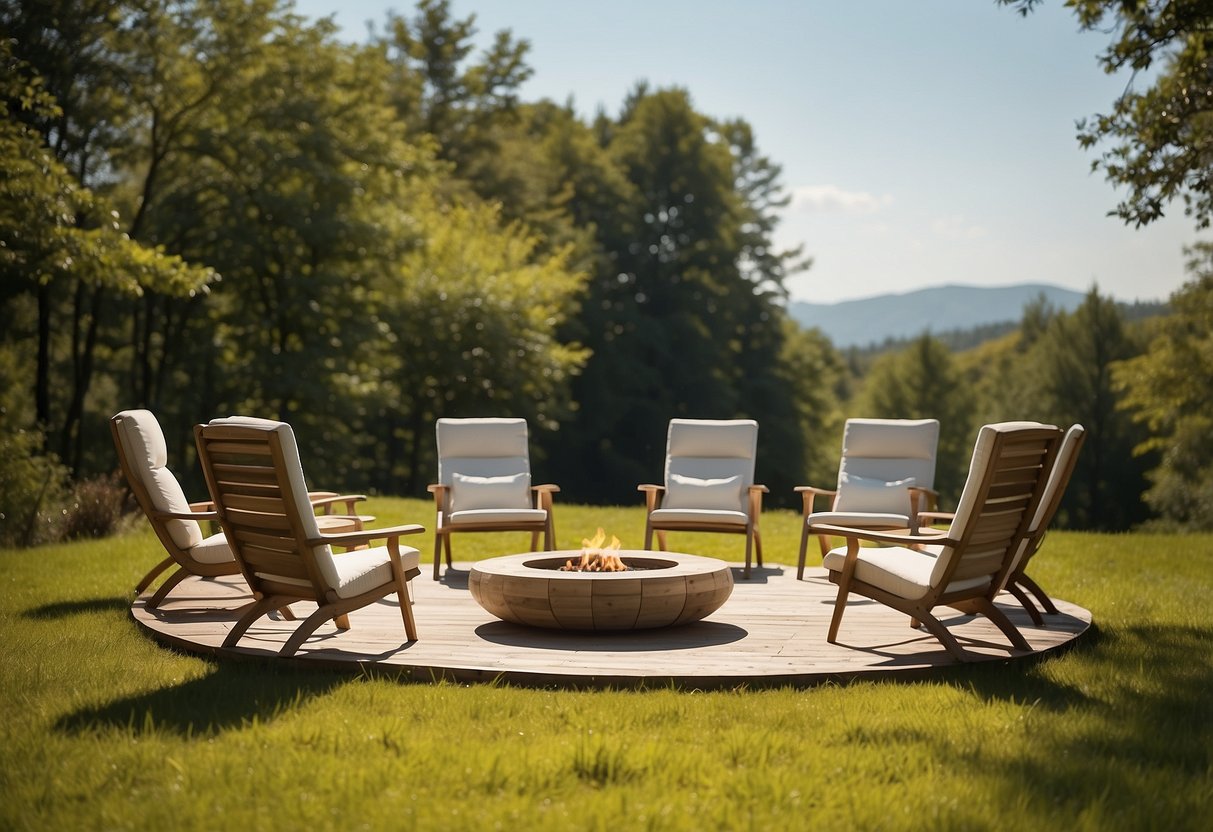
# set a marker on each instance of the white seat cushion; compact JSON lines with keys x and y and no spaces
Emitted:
{"x":691,"y":515}
{"x":213,"y":549}
{"x":365,"y":569}
{"x":860,"y":519}
{"x":500,"y":515}
{"x":903,"y":572}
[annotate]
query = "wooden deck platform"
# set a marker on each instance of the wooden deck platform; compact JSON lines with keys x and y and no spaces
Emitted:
{"x":770,"y":632}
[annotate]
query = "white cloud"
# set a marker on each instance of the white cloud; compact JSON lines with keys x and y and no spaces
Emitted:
{"x":956,"y":227}
{"x":833,"y":199}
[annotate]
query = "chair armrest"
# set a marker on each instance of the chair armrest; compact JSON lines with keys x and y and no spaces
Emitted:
{"x":203,"y":505}
{"x":440,"y":492}
{"x":186,"y":515}
{"x":810,"y":493}
{"x":327,"y":499}
{"x":921,"y":493}
{"x":756,"y":491}
{"x":877,"y":536}
{"x":543,"y":495}
{"x":936,"y":516}
{"x":365,"y":536}
{"x":652,"y":495}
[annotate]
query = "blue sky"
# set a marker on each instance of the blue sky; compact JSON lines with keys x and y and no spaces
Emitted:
{"x":923,"y":143}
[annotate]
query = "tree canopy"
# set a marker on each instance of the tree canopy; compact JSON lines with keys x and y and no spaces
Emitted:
{"x":1156,"y":142}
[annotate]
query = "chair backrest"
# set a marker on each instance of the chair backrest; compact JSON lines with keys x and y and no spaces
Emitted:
{"x":143,"y":455}
{"x":877,"y":451}
{"x":1059,"y":478}
{"x":486,"y":462}
{"x":1054,"y":490}
{"x":253,"y":470}
{"x":1010,"y":465}
{"x":709,"y":463}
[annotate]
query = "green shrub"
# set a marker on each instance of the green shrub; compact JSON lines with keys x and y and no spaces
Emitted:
{"x":33,"y":489}
{"x":98,"y":509}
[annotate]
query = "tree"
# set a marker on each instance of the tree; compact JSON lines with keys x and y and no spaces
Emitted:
{"x":1161,"y":138}
{"x":1167,"y":389}
{"x":64,"y":245}
{"x":1070,"y":380}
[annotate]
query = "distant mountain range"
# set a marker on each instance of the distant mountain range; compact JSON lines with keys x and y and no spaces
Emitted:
{"x":861,"y":323}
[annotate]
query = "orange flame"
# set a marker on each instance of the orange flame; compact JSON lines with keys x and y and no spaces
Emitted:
{"x":595,"y":557}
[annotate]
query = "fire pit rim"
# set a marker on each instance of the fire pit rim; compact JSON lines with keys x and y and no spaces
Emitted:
{"x":520,"y":565}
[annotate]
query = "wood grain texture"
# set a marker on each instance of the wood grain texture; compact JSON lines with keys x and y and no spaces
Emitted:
{"x":659,"y":591}
{"x":771,"y":631}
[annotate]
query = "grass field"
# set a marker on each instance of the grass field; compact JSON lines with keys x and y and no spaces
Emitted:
{"x":106,"y":730}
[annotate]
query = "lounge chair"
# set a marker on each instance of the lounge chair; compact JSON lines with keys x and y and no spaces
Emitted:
{"x":143,"y":457}
{"x":709,"y":483}
{"x":484,"y":484}
{"x":964,"y":566}
{"x":886,"y":475}
{"x":255,"y":477}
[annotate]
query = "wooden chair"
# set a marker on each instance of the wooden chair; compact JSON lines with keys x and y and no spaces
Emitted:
{"x":1018,"y":583}
{"x":964,"y":566}
{"x":484,"y":484}
{"x":256,"y":480}
{"x":709,"y":483}
{"x":886,"y":475}
{"x":143,"y":458}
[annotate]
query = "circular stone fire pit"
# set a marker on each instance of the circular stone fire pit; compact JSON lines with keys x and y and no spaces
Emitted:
{"x":660,"y":589}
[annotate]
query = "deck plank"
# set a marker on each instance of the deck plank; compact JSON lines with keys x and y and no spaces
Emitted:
{"x":770,"y":631}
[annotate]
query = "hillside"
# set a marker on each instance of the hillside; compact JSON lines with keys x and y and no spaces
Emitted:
{"x":860,"y":323}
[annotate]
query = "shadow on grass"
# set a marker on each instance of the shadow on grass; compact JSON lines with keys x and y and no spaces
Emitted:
{"x":1130,"y":725}
{"x":64,"y":609}
{"x":231,"y":696}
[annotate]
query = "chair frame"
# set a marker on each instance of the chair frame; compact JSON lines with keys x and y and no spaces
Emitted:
{"x":255,"y":496}
{"x":653,"y":495}
{"x":918,"y":496}
{"x":541,"y":500}
{"x":1000,"y":493}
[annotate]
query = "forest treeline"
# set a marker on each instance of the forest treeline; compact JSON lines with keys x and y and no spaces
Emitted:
{"x":211,"y":207}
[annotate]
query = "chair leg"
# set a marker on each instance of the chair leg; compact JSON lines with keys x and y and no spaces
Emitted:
{"x":286,"y":612}
{"x":661,"y":542}
{"x":446,"y":547}
{"x":406,"y":608}
{"x":758,"y":545}
{"x":342,"y":621}
{"x":1031,"y":586}
{"x":749,"y":545}
{"x":166,"y":587}
{"x":987,"y":608}
{"x":840,"y":605}
{"x":438,"y":536}
{"x":824,"y":542}
{"x":549,"y":537}
{"x":1019,"y":595}
{"x":255,"y":611}
{"x":535,"y":541}
{"x":648,"y":536}
{"x":936,"y":628}
{"x":804,"y":545}
{"x":305,"y":629}
{"x":151,"y":576}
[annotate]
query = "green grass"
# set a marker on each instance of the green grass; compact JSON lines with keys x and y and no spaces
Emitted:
{"x":106,"y":730}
